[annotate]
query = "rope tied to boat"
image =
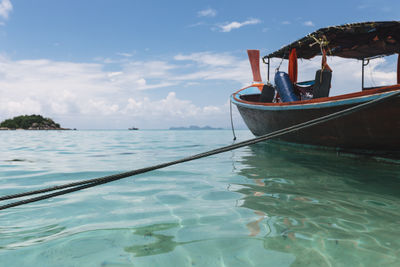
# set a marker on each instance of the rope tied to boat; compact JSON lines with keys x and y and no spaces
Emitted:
{"x":233,"y":128}
{"x":323,"y":46}
{"x":280,"y":64}
{"x":76,"y":186}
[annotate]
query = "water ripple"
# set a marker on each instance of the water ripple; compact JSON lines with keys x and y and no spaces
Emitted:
{"x":266,"y":203}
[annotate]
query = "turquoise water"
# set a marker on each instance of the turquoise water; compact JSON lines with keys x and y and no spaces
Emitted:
{"x":264,"y":205}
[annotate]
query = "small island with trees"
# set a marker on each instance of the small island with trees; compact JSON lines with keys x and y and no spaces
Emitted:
{"x":30,"y":122}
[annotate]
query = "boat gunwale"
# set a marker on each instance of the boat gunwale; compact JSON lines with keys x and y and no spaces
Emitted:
{"x":313,"y":103}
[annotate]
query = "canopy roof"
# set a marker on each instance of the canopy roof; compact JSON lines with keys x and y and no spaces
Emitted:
{"x":357,"y":40}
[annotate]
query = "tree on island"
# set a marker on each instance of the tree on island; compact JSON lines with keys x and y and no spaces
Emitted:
{"x":30,"y":122}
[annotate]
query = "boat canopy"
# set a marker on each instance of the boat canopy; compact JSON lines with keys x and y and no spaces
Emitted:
{"x":356,"y":40}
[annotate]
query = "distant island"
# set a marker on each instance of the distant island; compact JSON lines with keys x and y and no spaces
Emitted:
{"x":194,"y":127}
{"x":30,"y":122}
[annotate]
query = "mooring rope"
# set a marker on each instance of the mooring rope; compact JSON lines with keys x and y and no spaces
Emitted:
{"x":233,"y":128}
{"x":76,"y":186}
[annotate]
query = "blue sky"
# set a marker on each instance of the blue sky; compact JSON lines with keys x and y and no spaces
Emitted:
{"x":155,"y":64}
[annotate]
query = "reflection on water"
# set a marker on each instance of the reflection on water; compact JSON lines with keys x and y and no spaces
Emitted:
{"x":159,"y":243}
{"x":324,"y":209}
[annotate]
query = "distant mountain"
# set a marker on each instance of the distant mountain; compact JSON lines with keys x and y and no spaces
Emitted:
{"x":194,"y":127}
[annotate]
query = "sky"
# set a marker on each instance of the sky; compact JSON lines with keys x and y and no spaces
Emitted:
{"x":157,"y":64}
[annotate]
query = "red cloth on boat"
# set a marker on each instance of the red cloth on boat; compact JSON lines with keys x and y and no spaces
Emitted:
{"x":254,"y":57}
{"x":292,"y":71}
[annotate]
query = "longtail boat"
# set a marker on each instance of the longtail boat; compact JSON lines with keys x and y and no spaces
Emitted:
{"x":266,"y":108}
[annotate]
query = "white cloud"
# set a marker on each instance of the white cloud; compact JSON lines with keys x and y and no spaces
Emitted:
{"x":169,"y":106}
{"x":23,"y":106}
{"x":5,"y":8}
{"x":216,"y":66}
{"x":99,"y":106}
{"x":85,"y":95}
{"x":207,"y":58}
{"x":33,"y":86}
{"x":123,"y":54}
{"x":196,"y":25}
{"x":209,"y":12}
{"x":172,"y":111}
{"x":139,"y":75}
{"x":211,"y":109}
{"x":285,"y":22}
{"x":236,"y":25}
{"x":308,"y":23}
{"x":145,"y":93}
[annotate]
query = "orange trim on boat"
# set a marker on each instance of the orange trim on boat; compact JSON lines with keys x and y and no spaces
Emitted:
{"x":318,"y":100}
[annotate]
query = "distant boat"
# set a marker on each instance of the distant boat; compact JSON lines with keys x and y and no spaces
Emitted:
{"x":133,"y":129}
{"x":376,"y":130}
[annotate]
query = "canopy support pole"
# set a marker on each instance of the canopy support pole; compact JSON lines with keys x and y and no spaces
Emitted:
{"x":268,"y":63}
{"x":398,"y":69}
{"x":362,"y":75}
{"x":364,"y":63}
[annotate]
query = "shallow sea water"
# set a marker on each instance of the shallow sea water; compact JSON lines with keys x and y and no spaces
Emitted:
{"x":263,"y":205}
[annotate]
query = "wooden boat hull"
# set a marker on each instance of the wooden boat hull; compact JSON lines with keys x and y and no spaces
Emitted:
{"x":376,"y":128}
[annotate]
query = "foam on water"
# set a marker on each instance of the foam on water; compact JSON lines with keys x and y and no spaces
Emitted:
{"x":264,"y":205}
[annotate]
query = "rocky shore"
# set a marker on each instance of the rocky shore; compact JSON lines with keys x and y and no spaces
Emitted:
{"x":34,"y":127}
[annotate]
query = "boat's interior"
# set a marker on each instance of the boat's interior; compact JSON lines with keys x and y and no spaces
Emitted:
{"x":268,"y":94}
{"x":252,"y":98}
{"x":252,"y":94}
{"x":317,"y":88}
